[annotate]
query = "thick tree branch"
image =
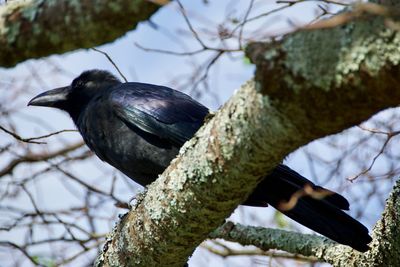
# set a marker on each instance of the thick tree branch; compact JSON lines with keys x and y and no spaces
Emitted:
{"x":267,"y":238}
{"x":309,"y":85}
{"x":223,"y":250}
{"x":37,"y":28}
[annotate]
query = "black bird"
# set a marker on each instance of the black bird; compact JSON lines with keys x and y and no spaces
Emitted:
{"x":138,"y":128}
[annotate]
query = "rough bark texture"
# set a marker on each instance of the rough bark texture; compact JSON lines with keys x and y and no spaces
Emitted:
{"x":38,"y":28}
{"x":309,"y":85}
{"x":386,"y":244}
{"x":267,"y":238}
{"x":385,"y":248}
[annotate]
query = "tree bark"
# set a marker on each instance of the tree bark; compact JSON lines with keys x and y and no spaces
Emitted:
{"x":309,"y":85}
{"x":38,"y":28}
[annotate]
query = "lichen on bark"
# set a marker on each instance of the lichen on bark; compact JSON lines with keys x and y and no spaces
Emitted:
{"x":37,"y":28}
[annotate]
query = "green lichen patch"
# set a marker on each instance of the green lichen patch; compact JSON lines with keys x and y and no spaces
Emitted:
{"x":332,"y":57}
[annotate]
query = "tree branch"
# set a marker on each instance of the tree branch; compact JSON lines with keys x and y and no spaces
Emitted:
{"x":29,"y":157}
{"x":224,"y":251}
{"x":36,"y":28}
{"x":267,"y":238}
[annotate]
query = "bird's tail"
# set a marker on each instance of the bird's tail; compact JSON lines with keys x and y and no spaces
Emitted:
{"x":312,"y":206}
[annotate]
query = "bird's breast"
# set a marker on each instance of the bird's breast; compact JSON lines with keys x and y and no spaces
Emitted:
{"x":134,"y":153}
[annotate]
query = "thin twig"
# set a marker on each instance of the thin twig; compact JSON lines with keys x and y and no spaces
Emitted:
{"x":8,"y":169}
{"x":31,"y":139}
{"x":182,"y":9}
{"x":245,"y":18}
{"x":292,"y":2}
{"x":22,"y":249}
{"x":389,"y":135}
{"x":112,"y":62}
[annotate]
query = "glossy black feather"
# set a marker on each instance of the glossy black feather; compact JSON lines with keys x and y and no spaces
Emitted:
{"x":158,"y":110}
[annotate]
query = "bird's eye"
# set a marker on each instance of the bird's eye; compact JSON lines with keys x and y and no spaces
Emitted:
{"x":77,"y":84}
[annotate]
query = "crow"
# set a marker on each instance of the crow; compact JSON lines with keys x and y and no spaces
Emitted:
{"x":138,"y":128}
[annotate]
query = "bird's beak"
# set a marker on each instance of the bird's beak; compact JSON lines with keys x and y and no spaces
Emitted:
{"x":51,"y":98}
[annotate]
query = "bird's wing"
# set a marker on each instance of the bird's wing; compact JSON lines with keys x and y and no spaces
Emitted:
{"x":158,"y":110}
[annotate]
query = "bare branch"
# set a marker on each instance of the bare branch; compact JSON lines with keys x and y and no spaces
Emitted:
{"x":38,"y":158}
{"x":112,"y":62}
{"x":32,"y":139}
{"x":389,"y":136}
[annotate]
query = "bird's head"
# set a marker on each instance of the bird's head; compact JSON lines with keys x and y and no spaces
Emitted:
{"x":74,"y":97}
